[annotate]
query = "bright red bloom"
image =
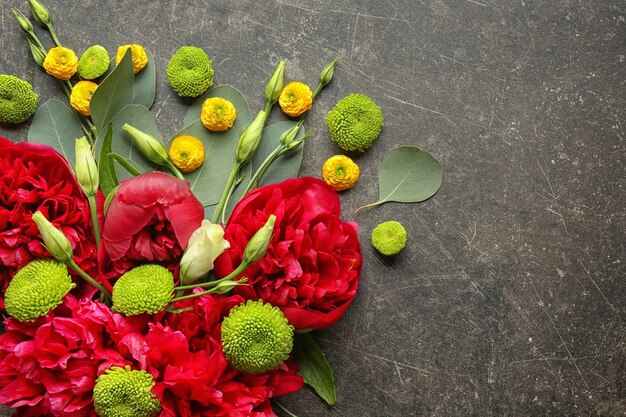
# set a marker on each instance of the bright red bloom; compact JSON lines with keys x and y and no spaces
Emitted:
{"x":151,"y":219}
{"x":35,"y":177}
{"x":312,"y":267}
{"x":49,"y":368}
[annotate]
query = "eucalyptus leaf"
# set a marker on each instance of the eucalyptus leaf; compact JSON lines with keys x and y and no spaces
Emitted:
{"x":106,"y":167}
{"x":314,"y":367}
{"x":288,"y":165}
{"x":408,"y":175}
{"x":144,"y":87}
{"x":141,"y":118}
{"x":58,"y":126}
{"x":113,"y":94}
{"x":208,"y":181}
{"x":227,"y":92}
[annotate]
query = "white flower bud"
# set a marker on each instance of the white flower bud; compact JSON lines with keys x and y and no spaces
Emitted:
{"x":205,"y":245}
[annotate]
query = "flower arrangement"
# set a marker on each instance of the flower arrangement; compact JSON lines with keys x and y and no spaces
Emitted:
{"x":143,"y":278}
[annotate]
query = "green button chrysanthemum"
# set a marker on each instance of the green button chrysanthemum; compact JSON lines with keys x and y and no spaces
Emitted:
{"x":94,"y":62}
{"x":122,"y":392}
{"x":355,"y":122}
{"x":389,"y":238}
{"x":144,"y":289}
{"x":17,"y":100}
{"x":256,"y":337}
{"x":37,"y":289}
{"x":190,"y":71}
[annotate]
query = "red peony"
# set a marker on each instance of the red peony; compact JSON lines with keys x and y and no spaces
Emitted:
{"x":150,"y":219}
{"x":35,"y":177}
{"x":312,"y":267}
{"x":49,"y":368}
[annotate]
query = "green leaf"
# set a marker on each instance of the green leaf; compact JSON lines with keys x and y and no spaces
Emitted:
{"x":106,"y":167}
{"x":408,"y":175}
{"x":229,"y":93}
{"x":125,"y":164}
{"x":113,"y":94}
{"x":144,"y":87}
{"x":314,"y":367}
{"x":141,"y":118}
{"x":56,"y":125}
{"x":208,"y":181}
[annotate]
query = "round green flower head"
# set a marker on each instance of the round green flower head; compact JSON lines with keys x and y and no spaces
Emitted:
{"x":17,"y":100}
{"x":190,"y":71}
{"x":37,"y":289}
{"x":144,"y":289}
{"x":389,"y":238}
{"x":355,"y":122}
{"x":94,"y":62}
{"x":256,"y":337}
{"x":122,"y":392}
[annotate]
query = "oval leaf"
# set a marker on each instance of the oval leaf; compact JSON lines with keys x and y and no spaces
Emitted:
{"x":141,"y":118}
{"x":229,"y":93}
{"x":57,"y":126}
{"x":314,"y":367}
{"x":113,"y":94}
{"x":208,"y":181}
{"x":144,"y":87}
{"x":408,"y":175}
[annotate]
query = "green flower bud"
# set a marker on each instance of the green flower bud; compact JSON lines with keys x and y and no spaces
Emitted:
{"x":148,"y":145}
{"x":275,"y":84}
{"x":40,"y":13}
{"x":86,"y":168}
{"x":37,"y":289}
{"x":94,"y":62}
{"x":122,"y":392}
{"x":327,"y":73}
{"x":257,"y":246}
{"x":38,"y":54}
{"x":22,"y":21}
{"x":256,"y":337}
{"x":53,"y":239}
{"x":288,"y":136}
{"x":145,"y":289}
{"x":389,"y":238}
{"x":250,"y":138}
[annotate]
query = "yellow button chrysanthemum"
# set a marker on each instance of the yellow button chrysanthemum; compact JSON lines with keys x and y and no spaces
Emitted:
{"x":81,"y":96}
{"x":140,"y":59}
{"x":187,"y":153}
{"x":295,"y":99}
{"x":61,"y":63}
{"x":218,"y":114}
{"x":340,"y":172}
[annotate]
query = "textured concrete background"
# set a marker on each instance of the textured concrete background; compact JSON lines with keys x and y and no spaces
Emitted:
{"x":509,"y":299}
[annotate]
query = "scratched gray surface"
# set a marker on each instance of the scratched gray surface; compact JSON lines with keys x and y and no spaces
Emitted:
{"x":509,"y":299}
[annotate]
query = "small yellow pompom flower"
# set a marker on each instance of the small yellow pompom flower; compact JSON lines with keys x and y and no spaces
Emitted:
{"x":295,"y":99}
{"x":140,"y":59}
{"x":218,"y":114}
{"x":340,"y":172}
{"x":187,"y":153}
{"x":81,"y":96}
{"x":61,"y":63}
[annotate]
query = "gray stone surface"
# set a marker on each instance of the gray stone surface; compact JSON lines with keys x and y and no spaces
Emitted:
{"x":509,"y":299}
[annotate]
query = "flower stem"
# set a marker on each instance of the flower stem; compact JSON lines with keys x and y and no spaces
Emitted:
{"x":87,"y":278}
{"x":260,"y":172}
{"x":175,"y":170}
{"x":227,"y":191}
{"x":53,"y":35}
{"x":242,"y":267}
{"x":94,"y":218}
